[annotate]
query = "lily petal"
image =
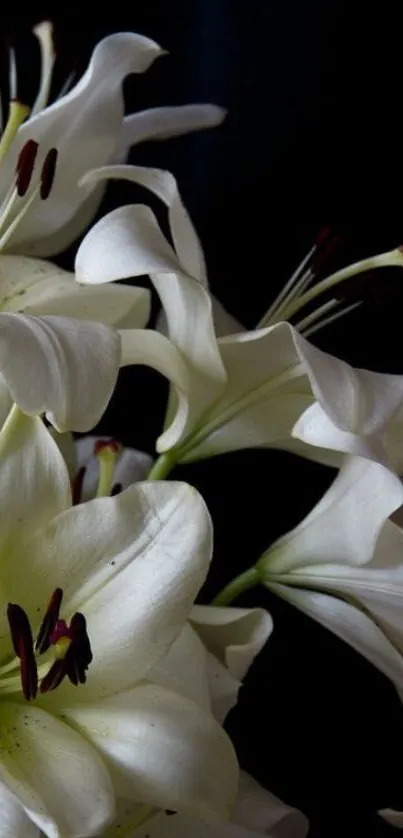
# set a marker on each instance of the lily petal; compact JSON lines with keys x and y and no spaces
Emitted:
{"x":141,"y":346}
{"x":393,"y":817}
{"x":39,"y":767}
{"x":35,"y":286}
{"x":164,"y":186}
{"x":257,"y":813}
{"x":31,"y":461}
{"x":162,"y":123}
{"x":6,"y":401}
{"x":315,"y":428}
{"x":150,"y":551}
{"x":64,"y":367}
{"x":359,"y":402}
{"x":234,"y":635}
{"x":343,"y":528}
{"x":267,"y":389}
{"x":123,"y":244}
{"x":163,"y":749}
{"x":85,"y":127}
{"x":184,"y":669}
{"x":14,"y":822}
{"x":350,"y":624}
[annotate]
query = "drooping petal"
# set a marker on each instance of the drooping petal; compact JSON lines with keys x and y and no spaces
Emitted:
{"x":55,"y":773}
{"x":162,"y":123}
{"x":164,"y":186}
{"x":141,"y":346}
{"x":14,"y":823}
{"x":257,"y":813}
{"x":162,"y":749}
{"x":350,"y":624}
{"x":131,"y":466}
{"x":315,"y":428}
{"x":224,"y":322}
{"x":123,"y":244}
{"x":234,"y":635}
{"x":343,"y":528}
{"x":63,"y":367}
{"x":133,"y":565}
{"x":34,"y":286}
{"x":139,"y":247}
{"x":85,"y":126}
{"x":359,"y":402}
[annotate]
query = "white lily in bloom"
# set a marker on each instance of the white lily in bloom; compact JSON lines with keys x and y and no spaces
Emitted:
{"x":45,"y":151}
{"x":342,"y":565}
{"x":94,"y":596}
{"x":85,"y":128}
{"x":243,"y":390}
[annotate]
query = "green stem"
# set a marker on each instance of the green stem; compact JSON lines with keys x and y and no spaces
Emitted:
{"x":162,"y":466}
{"x":249,"y":579}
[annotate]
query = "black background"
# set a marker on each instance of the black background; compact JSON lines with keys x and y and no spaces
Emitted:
{"x":313,"y":136}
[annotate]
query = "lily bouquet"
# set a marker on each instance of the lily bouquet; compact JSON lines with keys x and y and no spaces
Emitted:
{"x":114,"y":684}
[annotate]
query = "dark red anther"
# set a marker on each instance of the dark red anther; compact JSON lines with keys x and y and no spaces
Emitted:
{"x":111,"y":444}
{"x":116,"y":489}
{"x":49,"y":622}
{"x":25,"y":167}
{"x":78,"y":656}
{"x":323,"y":236}
{"x":327,"y":243}
{"x":48,"y":173}
{"x":55,"y":676}
{"x":21,"y":636}
{"x":80,"y":648}
{"x":77,"y":486}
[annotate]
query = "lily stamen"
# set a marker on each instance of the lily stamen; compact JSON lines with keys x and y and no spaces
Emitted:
{"x":69,"y":643}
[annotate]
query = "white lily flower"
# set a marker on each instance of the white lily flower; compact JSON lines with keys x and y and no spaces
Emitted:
{"x":342,"y":565}
{"x":123,"y":572}
{"x":244,"y":390}
{"x":85,"y":128}
{"x":43,"y":205}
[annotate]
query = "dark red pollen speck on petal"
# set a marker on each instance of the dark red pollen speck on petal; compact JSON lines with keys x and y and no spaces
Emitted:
{"x":21,"y":636}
